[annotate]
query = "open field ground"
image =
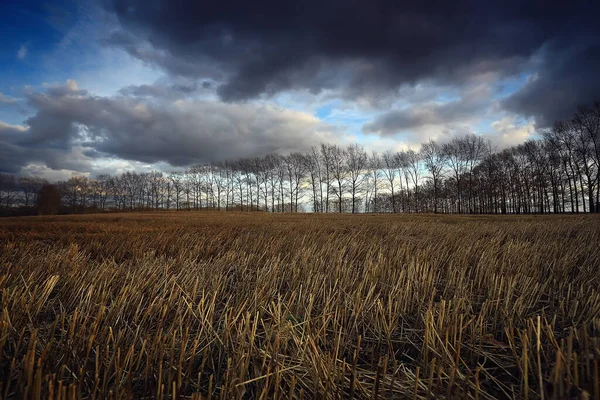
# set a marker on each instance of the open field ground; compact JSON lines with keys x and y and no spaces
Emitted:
{"x":231,"y":305}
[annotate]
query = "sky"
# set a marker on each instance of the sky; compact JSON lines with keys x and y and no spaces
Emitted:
{"x":106,"y":86}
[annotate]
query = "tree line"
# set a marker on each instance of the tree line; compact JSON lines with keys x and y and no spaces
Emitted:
{"x":555,"y":173}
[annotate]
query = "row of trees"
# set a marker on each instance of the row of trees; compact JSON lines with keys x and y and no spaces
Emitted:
{"x":556,"y":173}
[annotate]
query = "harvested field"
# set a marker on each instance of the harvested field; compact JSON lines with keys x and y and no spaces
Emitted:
{"x":256,"y":305}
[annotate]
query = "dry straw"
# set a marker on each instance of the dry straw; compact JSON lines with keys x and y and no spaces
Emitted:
{"x":232,"y":306}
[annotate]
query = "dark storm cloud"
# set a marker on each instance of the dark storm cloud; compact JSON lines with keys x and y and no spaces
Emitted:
{"x":9,"y":157}
{"x":72,"y":128}
{"x":568,"y":77}
{"x":173,"y":91}
{"x":416,"y":117}
{"x":472,"y":104}
{"x":360,"y":48}
{"x":17,"y":150}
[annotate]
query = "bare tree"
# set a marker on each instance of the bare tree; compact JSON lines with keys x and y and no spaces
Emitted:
{"x":356,"y":164}
{"x":375,"y":167}
{"x":271,"y":164}
{"x":313,"y":168}
{"x":402,"y":163}
{"x":30,"y":187}
{"x":176,"y":180}
{"x":586,"y":127}
{"x":327,"y":158}
{"x":390,"y":172}
{"x":415,"y":166}
{"x":297,"y":172}
{"x":455,"y":154}
{"x":8,"y":190}
{"x":434,"y":160}
{"x":339,"y":173}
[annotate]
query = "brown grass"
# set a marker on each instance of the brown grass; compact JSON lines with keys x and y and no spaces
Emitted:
{"x":231,"y":305}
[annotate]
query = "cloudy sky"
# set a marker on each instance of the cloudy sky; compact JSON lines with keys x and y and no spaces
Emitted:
{"x":88,"y":87}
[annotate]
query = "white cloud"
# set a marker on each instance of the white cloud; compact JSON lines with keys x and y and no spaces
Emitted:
{"x":7,"y":128}
{"x":74,"y":130}
{"x":7,"y":99}
{"x":22,"y":53}
{"x":72,"y":85}
{"x":52,"y":175}
{"x":508,"y":132}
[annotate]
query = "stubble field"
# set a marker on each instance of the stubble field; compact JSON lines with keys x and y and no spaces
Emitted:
{"x":232,"y":305}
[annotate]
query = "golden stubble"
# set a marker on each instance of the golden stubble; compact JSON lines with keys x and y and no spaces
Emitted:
{"x":254,"y":305}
